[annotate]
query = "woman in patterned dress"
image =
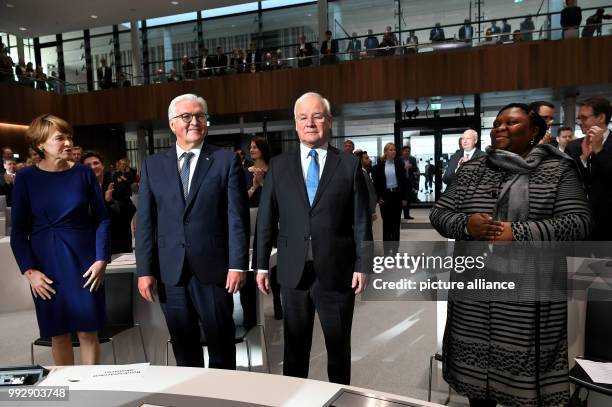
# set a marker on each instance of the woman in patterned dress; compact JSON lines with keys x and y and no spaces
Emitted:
{"x":512,"y":353}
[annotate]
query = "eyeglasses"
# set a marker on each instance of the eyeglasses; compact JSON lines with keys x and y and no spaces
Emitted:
{"x":317,"y":117}
{"x":188,"y":117}
{"x":583,"y":118}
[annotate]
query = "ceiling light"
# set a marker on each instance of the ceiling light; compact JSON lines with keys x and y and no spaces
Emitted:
{"x":94,"y":16}
{"x":22,"y":28}
{"x":10,"y":5}
{"x":174,"y":3}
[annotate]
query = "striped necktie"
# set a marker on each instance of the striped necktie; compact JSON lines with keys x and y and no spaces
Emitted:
{"x":185,"y":172}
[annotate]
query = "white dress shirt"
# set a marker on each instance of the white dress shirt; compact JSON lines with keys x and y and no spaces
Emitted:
{"x":305,"y":159}
{"x":467,"y":155}
{"x":193,"y":163}
{"x":390,"y":175}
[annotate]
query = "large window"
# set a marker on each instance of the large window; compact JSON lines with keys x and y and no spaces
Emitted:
{"x":74,"y":62}
{"x":102,"y":47}
{"x":282,"y":27}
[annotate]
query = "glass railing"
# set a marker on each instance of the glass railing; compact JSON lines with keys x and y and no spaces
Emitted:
{"x":377,"y":45}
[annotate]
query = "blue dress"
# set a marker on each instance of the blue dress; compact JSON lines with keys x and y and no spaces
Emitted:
{"x":60,"y":227}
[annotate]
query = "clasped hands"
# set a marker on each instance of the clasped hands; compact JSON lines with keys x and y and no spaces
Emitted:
{"x":482,"y":226}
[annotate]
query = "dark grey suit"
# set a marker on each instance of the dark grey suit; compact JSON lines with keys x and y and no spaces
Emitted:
{"x":451,"y":170}
{"x":336,"y":225}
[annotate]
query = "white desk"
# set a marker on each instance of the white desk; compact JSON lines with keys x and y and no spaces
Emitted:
{"x":245,"y":387}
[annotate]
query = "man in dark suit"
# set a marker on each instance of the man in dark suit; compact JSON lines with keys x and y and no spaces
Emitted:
{"x":105,"y":75}
{"x":468,"y":152}
{"x":192,"y":236}
{"x":596,"y":161}
{"x":206,"y":63}
{"x":319,"y":198}
{"x":329,"y":49}
{"x":221,"y":62}
{"x":354,"y":47}
{"x":304,"y":52}
{"x":412,"y":179}
{"x":253,"y":59}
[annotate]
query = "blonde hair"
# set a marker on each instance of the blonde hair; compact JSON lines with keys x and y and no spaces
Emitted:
{"x":386,"y":148}
{"x":41,"y":128}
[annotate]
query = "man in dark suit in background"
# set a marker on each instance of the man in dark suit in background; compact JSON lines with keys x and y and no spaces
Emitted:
{"x":206,"y":63}
{"x":192,"y":236}
{"x":221,"y":62}
{"x":595,"y":160}
{"x":304,"y":52}
{"x":468,"y":152}
{"x":412,"y":179}
{"x":329,"y":49}
{"x":105,"y":75}
{"x":253,"y":59}
{"x":319,"y":198}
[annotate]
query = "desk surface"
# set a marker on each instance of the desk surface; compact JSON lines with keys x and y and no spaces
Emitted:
{"x":244,"y":387}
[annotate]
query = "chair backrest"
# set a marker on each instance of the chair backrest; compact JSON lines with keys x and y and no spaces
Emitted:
{"x":119,"y":298}
{"x":598,"y":326}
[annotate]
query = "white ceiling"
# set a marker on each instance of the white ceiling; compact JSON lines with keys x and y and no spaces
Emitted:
{"x":45,"y":17}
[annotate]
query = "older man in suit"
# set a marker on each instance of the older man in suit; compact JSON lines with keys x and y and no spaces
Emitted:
{"x":319,"y":198}
{"x":192,"y":236}
{"x":468,"y":152}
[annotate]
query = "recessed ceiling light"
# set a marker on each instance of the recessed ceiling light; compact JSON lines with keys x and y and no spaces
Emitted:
{"x":10,"y":5}
{"x":174,"y":3}
{"x":22,"y":28}
{"x":94,"y":16}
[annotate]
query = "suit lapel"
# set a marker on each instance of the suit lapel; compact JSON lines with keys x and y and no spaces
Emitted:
{"x":296,"y":168}
{"x":171,"y":168}
{"x":331,"y":162}
{"x":204,"y":162}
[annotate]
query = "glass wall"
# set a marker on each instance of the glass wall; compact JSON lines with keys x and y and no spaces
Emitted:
{"x":74,"y":61}
{"x":282,"y":27}
{"x":102,"y":47}
{"x":168,"y":44}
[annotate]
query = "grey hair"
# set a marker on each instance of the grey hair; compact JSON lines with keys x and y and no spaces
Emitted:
{"x":184,"y":98}
{"x":307,"y":95}
{"x":472,"y":132}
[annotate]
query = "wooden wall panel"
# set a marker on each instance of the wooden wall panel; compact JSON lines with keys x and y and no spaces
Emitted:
{"x":508,"y":67}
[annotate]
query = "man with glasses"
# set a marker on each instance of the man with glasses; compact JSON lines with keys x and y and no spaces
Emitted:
{"x":192,"y":236}
{"x":594,"y":155}
{"x":547,"y":111}
{"x":319,"y":197}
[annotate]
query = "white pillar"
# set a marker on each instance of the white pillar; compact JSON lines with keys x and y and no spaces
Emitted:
{"x":323,"y":22}
{"x":168,"y":55}
{"x":136,"y":60}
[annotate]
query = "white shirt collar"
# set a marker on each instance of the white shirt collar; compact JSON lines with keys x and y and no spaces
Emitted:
{"x":605,"y":135}
{"x":196,"y":151}
{"x":470,"y":152}
{"x":321,"y":151}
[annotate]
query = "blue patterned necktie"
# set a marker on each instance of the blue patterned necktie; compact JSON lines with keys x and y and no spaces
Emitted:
{"x":312,"y":176}
{"x":185,"y":172}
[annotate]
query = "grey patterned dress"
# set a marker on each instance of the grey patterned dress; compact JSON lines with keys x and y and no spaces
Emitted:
{"x":511,"y":352}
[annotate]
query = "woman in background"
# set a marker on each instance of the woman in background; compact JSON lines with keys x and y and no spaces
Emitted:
{"x":60,"y":239}
{"x":389,"y":177}
{"x":260,"y":153}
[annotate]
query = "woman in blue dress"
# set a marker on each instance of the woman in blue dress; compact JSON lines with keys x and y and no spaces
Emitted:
{"x":60,"y":239}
